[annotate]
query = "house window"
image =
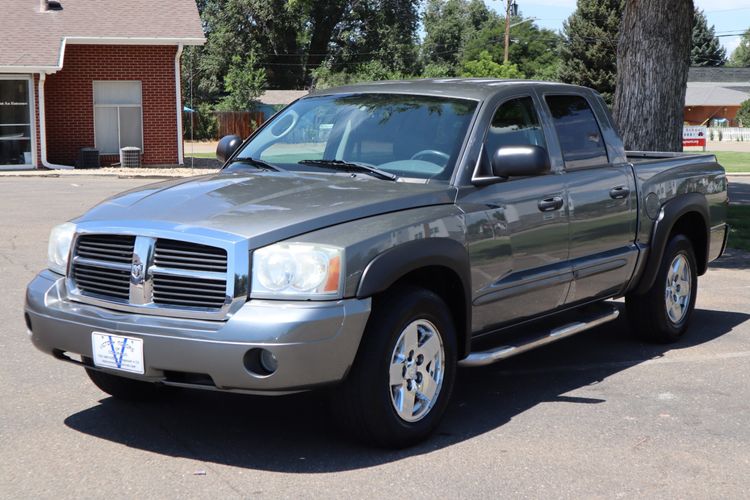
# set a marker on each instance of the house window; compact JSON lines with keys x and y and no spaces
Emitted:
{"x":16,"y":138}
{"x":118,"y":116}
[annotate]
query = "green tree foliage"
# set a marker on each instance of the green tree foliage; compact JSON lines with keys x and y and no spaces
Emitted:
{"x":589,"y":48}
{"x":325,"y":77}
{"x":743,"y":115}
{"x":447,"y":24}
{"x":458,"y":31}
{"x":741,"y":55}
{"x":532,"y":49}
{"x":485,"y":67}
{"x":293,"y":38}
{"x":438,"y":70}
{"x":706,"y":49}
{"x":244,"y":83}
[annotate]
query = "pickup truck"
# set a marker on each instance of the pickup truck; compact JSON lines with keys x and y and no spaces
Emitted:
{"x":370,"y":239}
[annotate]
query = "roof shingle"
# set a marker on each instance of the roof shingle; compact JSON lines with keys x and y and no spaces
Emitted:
{"x":33,"y":39}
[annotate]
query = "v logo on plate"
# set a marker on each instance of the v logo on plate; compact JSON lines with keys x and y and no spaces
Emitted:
{"x":118,"y":360}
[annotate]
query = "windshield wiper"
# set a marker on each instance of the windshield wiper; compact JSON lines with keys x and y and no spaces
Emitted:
{"x":351,"y":167}
{"x":257,"y":163}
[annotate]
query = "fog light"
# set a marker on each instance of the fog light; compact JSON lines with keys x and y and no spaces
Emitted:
{"x":268,"y":361}
{"x":260,"y":362}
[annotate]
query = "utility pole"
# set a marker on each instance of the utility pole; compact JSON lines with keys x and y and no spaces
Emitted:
{"x":511,"y":8}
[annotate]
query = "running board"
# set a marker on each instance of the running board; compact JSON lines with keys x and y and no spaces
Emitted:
{"x":490,"y":356}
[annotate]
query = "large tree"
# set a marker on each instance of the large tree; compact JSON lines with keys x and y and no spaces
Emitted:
{"x":446,"y":25}
{"x":293,"y":38}
{"x":532,"y":49}
{"x":653,"y":57}
{"x":706,"y":49}
{"x":588,"y":51}
{"x":741,"y":55}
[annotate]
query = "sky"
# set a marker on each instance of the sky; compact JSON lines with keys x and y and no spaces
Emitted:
{"x":727,"y":16}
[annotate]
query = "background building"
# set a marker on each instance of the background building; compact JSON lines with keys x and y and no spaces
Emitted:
{"x":86,"y":73}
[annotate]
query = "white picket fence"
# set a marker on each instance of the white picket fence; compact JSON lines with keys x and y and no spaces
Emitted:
{"x":729,"y":134}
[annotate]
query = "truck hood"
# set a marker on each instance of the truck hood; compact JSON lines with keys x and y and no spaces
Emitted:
{"x":264,"y":207}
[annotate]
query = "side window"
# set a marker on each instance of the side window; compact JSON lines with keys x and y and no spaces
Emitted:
{"x":580,"y":138}
{"x":515,"y":123}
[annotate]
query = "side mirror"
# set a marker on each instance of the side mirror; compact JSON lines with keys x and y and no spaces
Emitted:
{"x":227,"y":146}
{"x":520,"y":161}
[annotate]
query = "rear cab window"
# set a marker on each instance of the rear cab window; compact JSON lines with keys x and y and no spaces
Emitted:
{"x":580,"y":137}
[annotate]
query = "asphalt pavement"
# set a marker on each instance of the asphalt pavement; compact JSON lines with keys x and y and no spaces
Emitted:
{"x":597,"y":415}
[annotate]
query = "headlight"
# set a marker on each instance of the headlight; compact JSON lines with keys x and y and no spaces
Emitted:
{"x":59,"y":247}
{"x":297,"y":271}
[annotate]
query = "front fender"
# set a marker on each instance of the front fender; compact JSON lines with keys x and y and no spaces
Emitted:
{"x":393,"y":264}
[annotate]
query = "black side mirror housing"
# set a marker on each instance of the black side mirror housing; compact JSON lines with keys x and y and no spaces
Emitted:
{"x":520,"y":161}
{"x":227,"y":146}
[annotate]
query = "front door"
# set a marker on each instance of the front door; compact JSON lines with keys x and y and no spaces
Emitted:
{"x":16,"y":140}
{"x":517,"y":238}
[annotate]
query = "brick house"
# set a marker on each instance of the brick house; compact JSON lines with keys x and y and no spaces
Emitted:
{"x":85,"y":73}
{"x":716,"y":94}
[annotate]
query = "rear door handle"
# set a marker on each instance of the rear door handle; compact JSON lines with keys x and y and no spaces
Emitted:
{"x":619,"y":192}
{"x":550,"y":204}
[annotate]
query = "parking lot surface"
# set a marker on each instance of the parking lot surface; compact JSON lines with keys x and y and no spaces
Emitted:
{"x":597,"y":415}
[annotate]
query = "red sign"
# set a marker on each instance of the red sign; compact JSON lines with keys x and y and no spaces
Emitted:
{"x":694,"y":142}
{"x":694,"y":137}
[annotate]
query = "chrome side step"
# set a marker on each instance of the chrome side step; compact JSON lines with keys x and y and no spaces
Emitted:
{"x":490,"y":356}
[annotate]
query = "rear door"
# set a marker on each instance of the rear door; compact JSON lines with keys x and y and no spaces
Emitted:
{"x":517,"y":229}
{"x":601,"y":199}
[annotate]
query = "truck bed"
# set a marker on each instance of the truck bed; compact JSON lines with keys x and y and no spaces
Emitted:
{"x":653,"y":156}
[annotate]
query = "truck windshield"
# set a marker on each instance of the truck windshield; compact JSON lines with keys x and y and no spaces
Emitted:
{"x":409,"y":136}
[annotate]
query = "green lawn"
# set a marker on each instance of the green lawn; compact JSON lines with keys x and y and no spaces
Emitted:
{"x":739,"y":219}
{"x":201,"y":155}
{"x":733,"y":161}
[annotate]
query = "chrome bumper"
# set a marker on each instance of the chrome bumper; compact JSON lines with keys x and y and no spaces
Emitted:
{"x":314,"y":342}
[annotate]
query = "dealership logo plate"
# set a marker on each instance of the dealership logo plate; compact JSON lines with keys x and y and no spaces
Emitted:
{"x":117,"y":352}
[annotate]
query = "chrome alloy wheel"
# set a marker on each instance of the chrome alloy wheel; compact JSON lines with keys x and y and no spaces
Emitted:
{"x":416,"y":371}
{"x":677,"y":293}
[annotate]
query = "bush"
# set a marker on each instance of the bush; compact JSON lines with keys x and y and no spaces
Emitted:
{"x":485,"y":67}
{"x":743,"y":115}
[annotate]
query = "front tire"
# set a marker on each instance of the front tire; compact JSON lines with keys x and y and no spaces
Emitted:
{"x":399,"y":386}
{"x":662,"y":314}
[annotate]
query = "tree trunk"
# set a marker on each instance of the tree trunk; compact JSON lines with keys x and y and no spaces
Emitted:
{"x":653,"y":57}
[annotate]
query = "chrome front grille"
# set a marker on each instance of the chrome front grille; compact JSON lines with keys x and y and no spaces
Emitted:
{"x":102,"y":281}
{"x":153,"y":275}
{"x":203,"y":285}
{"x":189,"y":292}
{"x":109,"y":248}
{"x":95,"y":268}
{"x":183,"y":255}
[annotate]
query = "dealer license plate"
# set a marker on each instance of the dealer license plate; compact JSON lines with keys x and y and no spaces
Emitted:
{"x":117,"y":352}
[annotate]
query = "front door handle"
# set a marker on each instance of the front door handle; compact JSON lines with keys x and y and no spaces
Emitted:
{"x":619,"y":192}
{"x":550,"y":204}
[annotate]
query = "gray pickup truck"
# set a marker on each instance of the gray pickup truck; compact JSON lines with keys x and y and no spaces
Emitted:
{"x":373,"y":238}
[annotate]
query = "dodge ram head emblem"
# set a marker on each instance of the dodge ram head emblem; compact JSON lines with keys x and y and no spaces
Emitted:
{"x":137,"y":272}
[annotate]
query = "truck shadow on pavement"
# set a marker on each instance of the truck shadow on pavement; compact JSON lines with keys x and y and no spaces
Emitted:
{"x":298,"y":433}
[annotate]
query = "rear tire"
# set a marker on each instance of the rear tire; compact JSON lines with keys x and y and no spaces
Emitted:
{"x":123,"y":388}
{"x":662,"y":314}
{"x":402,"y":378}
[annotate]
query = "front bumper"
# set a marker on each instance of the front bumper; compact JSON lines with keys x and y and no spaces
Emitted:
{"x":314,"y":342}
